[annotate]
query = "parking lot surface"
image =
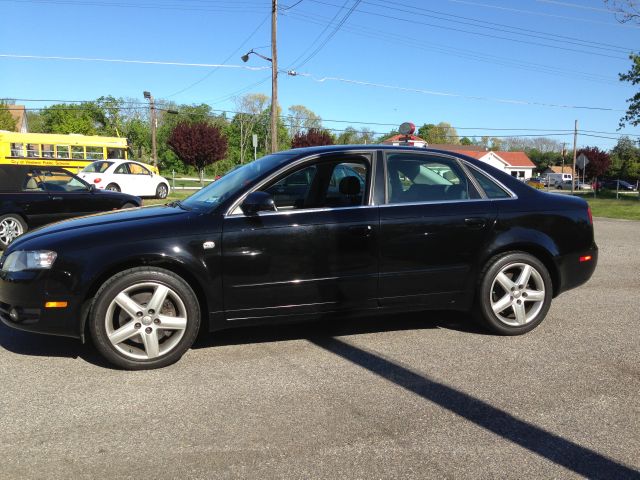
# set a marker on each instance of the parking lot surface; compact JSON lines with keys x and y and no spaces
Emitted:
{"x":407,"y":396}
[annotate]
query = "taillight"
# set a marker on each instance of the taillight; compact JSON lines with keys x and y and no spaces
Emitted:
{"x":585,"y":258}
{"x":97,"y":180}
{"x":590,"y":215}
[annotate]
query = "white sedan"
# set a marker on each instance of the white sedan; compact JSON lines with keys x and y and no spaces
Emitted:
{"x":125,"y":176}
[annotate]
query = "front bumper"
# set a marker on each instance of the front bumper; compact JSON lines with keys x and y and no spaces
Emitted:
{"x":25,"y":294}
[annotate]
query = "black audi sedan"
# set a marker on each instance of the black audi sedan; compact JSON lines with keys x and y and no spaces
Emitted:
{"x":375,"y":229}
{"x":32,"y":196}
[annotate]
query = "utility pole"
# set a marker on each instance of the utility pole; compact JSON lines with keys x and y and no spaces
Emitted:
{"x":274,"y":77}
{"x":154,"y":126}
{"x":575,"y":144}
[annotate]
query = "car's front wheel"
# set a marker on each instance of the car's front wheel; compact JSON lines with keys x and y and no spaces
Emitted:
{"x":515,"y":293}
{"x":11,"y":227}
{"x":144,"y":318}
{"x":162,"y":191}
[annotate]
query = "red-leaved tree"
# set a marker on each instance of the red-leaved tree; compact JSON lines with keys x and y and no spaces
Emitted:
{"x":198,"y":144}
{"x":599,"y":161}
{"x":311,"y":138}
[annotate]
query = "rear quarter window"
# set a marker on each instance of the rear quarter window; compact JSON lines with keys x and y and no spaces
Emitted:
{"x":490,"y":187}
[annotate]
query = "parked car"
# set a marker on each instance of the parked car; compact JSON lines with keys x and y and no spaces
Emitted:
{"x":566,"y":185}
{"x":536,"y":182}
{"x":406,"y":229}
{"x":618,"y":185}
{"x":126,"y":176}
{"x":32,"y":196}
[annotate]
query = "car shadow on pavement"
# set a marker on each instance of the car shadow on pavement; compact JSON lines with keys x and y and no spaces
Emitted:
{"x":336,"y":326}
{"x":550,"y":446}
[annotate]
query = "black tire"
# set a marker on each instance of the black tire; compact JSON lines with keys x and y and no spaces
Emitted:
{"x":162,"y":191}
{"x":113,"y":187}
{"x":491,"y":292}
{"x":128,"y":205}
{"x":11,"y":227}
{"x":137,"y":279}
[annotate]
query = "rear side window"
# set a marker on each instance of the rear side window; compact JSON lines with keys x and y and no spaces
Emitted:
{"x":491,"y":188}
{"x":97,"y":167}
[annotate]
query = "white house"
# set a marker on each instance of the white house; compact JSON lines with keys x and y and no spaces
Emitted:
{"x":518,"y":164}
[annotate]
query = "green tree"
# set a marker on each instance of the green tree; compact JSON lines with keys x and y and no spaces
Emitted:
{"x":35,"y":121}
{"x":466,"y":141}
{"x":625,"y":159}
{"x":7,"y":122}
{"x":301,"y":119}
{"x":441,"y":133}
{"x":632,"y":116}
{"x":86,"y":118}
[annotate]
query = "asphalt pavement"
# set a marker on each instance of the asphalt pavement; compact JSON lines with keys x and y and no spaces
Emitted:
{"x":405,"y":396}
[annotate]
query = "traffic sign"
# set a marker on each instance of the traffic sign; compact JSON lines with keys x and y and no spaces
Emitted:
{"x":582,"y":161}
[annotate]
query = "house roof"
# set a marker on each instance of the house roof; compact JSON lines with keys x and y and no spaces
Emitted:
{"x":19,"y":114}
{"x":516,"y":159}
{"x":458,"y":148}
{"x":559,"y":169}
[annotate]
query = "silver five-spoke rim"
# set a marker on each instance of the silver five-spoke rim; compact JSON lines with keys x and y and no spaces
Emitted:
{"x":146,"y":321}
{"x":162,"y":191}
{"x":10,"y":229}
{"x":517,"y":294}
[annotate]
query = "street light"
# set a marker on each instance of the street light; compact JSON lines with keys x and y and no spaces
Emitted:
{"x":154,"y":125}
{"x":274,"y":91}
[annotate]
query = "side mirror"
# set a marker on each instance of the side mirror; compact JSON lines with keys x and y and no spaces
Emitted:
{"x":258,"y":202}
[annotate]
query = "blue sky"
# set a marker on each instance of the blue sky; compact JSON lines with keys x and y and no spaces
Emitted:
{"x":488,"y":53}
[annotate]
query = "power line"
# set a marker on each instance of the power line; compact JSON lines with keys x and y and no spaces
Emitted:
{"x":488,"y":35}
{"x":461,"y":53}
{"x":223,"y":62}
{"x":257,"y":7}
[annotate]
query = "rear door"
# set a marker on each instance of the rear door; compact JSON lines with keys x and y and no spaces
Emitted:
{"x":432,"y":227}
{"x":69,"y":196}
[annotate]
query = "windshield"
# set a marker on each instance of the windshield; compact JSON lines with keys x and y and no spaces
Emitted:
{"x":97,"y":167}
{"x":231,"y":184}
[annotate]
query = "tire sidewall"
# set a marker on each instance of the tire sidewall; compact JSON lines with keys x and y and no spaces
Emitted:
{"x":18,"y":219}
{"x":158,"y":191}
{"x":118,"y":283}
{"x":494,"y":266}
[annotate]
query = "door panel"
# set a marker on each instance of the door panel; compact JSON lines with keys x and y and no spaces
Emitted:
{"x":300,"y":262}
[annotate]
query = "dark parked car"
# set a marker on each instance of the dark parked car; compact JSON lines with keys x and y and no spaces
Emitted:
{"x":618,"y":185}
{"x":33,"y":196}
{"x":405,"y":229}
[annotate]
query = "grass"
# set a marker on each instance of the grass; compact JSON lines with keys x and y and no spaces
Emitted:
{"x":627,"y":207}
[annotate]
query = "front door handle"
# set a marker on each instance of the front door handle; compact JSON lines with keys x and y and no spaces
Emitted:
{"x":56,"y":198}
{"x":361,"y":230}
{"x":475,"y":222}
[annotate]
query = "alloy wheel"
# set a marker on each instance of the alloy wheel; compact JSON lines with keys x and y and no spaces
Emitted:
{"x":146,"y":321}
{"x":10,"y":229}
{"x":517,"y":294}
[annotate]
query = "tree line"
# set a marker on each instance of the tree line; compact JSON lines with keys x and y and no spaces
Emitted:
{"x":197,"y":138}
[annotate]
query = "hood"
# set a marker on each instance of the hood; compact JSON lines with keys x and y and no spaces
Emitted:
{"x":108,"y":223}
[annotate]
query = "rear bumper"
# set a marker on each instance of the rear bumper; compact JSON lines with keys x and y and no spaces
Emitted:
{"x":23,"y":296}
{"x":574,"y":269}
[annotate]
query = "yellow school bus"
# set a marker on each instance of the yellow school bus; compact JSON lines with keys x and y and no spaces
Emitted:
{"x":70,"y":151}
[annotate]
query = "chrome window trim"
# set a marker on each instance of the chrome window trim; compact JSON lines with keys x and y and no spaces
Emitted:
{"x":369,"y":154}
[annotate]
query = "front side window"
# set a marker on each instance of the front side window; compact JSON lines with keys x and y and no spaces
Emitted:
{"x":137,"y":169}
{"x":58,"y":180}
{"x":32,"y":183}
{"x":325,"y":184}
{"x":415,"y":178}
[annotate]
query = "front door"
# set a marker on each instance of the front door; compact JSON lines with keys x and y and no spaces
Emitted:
{"x":317,"y":253}
{"x":432,"y":228}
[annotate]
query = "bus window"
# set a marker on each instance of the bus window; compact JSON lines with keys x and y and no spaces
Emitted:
{"x":77,"y":152}
{"x":63,"y":151}
{"x":17,"y":150}
{"x":115,"y":153}
{"x":47,"y":151}
{"x":95,"y":153}
{"x":33,"y":150}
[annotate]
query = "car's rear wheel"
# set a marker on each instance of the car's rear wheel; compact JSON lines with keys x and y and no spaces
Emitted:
{"x":144,"y":318}
{"x":113,"y":187}
{"x":515,"y":293}
{"x":162,"y":191}
{"x":11,"y":227}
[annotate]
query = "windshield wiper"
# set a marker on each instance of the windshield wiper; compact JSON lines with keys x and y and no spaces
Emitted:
{"x":176,"y":203}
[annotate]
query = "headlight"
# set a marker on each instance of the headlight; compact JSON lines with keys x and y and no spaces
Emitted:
{"x":29,"y":260}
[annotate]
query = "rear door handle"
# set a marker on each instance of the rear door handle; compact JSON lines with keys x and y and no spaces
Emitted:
{"x":361,"y":230}
{"x":475,"y":222}
{"x":56,"y":198}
